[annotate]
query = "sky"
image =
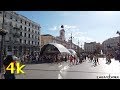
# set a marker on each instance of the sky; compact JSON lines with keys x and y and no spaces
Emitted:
{"x":85,"y":26}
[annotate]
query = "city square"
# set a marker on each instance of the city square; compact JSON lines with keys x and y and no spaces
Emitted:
{"x":52,"y":45}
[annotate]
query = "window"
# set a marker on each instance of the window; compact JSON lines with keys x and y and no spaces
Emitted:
{"x":35,"y":43}
{"x":32,"y":42}
{"x":35,"y":31}
{"x":38,"y":38}
{"x":20,"y":26}
{"x":20,"y":33}
{"x":38,"y":43}
{"x":38,"y":33}
{"x":0,"y":12}
{"x":32,"y":36}
{"x":38,"y":28}
{"x":25,"y":29}
{"x":29,"y":36}
{"x":21,"y":21}
{"x":20,"y":40}
{"x":25,"y":41}
{"x":25,"y":22}
{"x":29,"y":29}
{"x":29,"y":42}
{"x":16,"y":19}
{"x":29,"y":24}
{"x":25,"y":35}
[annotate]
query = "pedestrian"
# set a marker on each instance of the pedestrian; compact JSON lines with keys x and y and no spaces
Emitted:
{"x":81,"y":58}
{"x":71,"y":60}
{"x":95,"y":57}
{"x":6,"y":62}
{"x":108,"y":54}
{"x":74,"y":59}
{"x":66,"y":58}
{"x":108,"y":58}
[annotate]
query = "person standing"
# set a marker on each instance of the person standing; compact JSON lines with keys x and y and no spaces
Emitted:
{"x":108,"y":55}
{"x":95,"y":57}
{"x":71,"y":60}
{"x":6,"y":62}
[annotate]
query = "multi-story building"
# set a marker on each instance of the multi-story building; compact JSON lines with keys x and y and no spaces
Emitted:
{"x":112,"y":42}
{"x":23,"y":33}
{"x":46,"y":38}
{"x":90,"y":47}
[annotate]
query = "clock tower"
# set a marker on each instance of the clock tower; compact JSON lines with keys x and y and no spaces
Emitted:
{"x":62,"y":33}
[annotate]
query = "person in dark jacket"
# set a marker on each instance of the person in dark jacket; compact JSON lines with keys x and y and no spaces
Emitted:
{"x":6,"y":63}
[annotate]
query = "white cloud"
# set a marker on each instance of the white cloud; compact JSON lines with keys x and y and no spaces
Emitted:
{"x":70,"y":27}
{"x":54,"y":28}
{"x":79,"y":36}
{"x":66,"y":27}
{"x":76,"y":33}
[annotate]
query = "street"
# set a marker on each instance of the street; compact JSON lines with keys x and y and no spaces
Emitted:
{"x":86,"y":70}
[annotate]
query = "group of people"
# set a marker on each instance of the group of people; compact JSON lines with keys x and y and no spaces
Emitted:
{"x":53,"y":58}
{"x":92,"y":57}
{"x":77,"y":59}
{"x":30,"y":58}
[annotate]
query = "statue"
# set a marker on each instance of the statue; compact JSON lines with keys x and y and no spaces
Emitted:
{"x":62,"y":26}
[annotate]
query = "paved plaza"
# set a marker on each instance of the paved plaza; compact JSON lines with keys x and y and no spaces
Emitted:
{"x":86,"y":70}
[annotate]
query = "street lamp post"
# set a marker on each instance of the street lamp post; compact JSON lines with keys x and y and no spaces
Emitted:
{"x":119,"y":36}
{"x":2,"y":33}
{"x":71,"y":38}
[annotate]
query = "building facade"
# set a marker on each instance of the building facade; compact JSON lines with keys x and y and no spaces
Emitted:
{"x":23,"y":34}
{"x":112,"y":42}
{"x":46,"y":38}
{"x":91,"y":47}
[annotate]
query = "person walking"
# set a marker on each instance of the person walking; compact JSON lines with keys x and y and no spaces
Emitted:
{"x":108,"y":54}
{"x":71,"y":60}
{"x":108,"y":58}
{"x":95,"y":57}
